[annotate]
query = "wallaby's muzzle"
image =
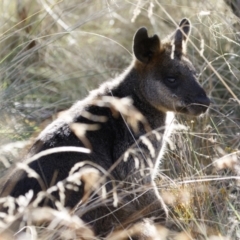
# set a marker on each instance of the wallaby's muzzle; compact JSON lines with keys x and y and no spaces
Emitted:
{"x":203,"y":104}
{"x":199,"y":105}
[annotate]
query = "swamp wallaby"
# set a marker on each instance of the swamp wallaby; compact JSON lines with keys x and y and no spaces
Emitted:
{"x":160,"y":79}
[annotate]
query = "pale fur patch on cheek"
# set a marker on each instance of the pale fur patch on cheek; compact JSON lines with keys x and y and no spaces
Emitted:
{"x":170,"y":100}
{"x":179,"y":103}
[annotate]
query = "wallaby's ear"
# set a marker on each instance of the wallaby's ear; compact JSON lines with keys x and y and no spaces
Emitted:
{"x":145,"y":47}
{"x":181,"y":36}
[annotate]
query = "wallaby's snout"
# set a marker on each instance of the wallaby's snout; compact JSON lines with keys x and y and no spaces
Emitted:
{"x":201,"y":104}
{"x":191,"y":98}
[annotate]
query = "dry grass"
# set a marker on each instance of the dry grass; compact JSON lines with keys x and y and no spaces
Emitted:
{"x":53,"y":52}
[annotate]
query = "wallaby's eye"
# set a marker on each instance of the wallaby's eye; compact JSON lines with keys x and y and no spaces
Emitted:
{"x":171,"y":80}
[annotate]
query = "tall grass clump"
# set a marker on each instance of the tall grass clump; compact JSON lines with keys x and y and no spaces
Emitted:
{"x":53,"y":52}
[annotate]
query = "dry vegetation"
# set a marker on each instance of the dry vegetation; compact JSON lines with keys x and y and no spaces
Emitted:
{"x":53,"y":52}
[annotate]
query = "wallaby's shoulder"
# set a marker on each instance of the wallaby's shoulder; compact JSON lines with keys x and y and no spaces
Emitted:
{"x":60,"y":127}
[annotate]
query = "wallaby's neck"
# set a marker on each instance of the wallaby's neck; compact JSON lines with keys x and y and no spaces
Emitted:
{"x":129,"y":86}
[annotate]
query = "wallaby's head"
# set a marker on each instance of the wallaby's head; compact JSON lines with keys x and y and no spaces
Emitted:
{"x":168,"y":80}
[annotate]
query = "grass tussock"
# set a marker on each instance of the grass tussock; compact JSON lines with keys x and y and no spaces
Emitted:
{"x":53,"y":52}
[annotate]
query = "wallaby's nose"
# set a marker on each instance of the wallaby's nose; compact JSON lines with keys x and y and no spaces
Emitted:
{"x":202,"y":103}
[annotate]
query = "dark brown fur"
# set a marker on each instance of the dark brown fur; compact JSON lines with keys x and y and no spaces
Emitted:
{"x":160,"y":79}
